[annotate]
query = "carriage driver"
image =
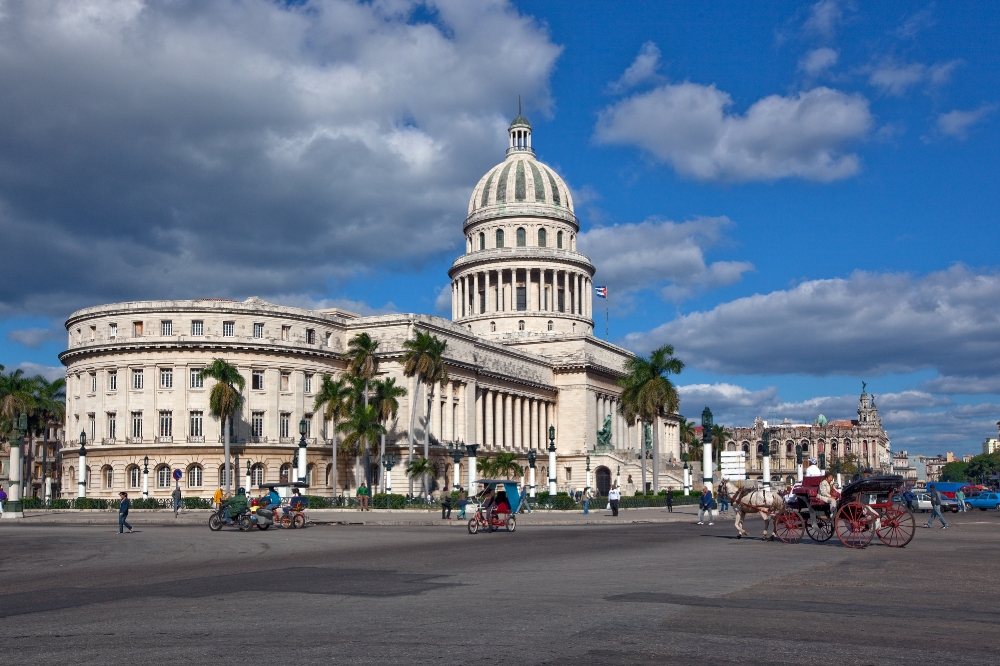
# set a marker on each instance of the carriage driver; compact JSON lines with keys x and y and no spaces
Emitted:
{"x":826,"y":493}
{"x":813,"y":469}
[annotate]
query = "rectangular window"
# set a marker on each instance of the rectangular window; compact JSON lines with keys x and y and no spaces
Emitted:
{"x":197,"y":327}
{"x":309,"y":384}
{"x":166,"y":378}
{"x":569,"y":474}
{"x":91,"y":427}
{"x":310,"y":336}
{"x":258,"y":330}
{"x":309,"y":424}
{"x":286,"y":332}
{"x":257,"y":424}
{"x":112,"y":426}
{"x":197,"y":381}
{"x":109,"y":477}
{"x":93,"y":332}
{"x":166,"y":327}
{"x":562,"y":300}
{"x":137,"y":329}
{"x":197,"y":424}
{"x":257,"y":380}
{"x":136,"y":425}
{"x":113,"y":380}
{"x":137,"y":379}
{"x":285,"y":381}
{"x":228,"y":329}
{"x":328,"y":339}
{"x":112,"y":330}
{"x":522,"y":298}
{"x":283,"y":424}
{"x":166,"y":424}
{"x":93,"y":382}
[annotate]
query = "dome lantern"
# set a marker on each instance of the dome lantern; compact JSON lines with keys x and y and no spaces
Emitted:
{"x":520,"y":133}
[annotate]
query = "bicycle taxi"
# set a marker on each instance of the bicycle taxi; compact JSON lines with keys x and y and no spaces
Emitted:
{"x":287,"y":515}
{"x":506,"y":502}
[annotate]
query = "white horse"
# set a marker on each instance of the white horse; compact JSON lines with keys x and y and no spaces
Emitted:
{"x":750,"y":499}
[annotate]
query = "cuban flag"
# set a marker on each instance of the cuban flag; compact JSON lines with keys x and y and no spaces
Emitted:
{"x":602,"y":292}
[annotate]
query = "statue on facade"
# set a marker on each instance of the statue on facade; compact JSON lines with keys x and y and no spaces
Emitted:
{"x":604,"y":434}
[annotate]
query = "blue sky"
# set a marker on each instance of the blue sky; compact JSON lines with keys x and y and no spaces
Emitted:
{"x":796,"y":195}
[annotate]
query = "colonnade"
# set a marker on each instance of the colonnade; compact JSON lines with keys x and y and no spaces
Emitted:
{"x":511,"y":422}
{"x":624,"y":435}
{"x":448,"y":413}
{"x":486,"y":292}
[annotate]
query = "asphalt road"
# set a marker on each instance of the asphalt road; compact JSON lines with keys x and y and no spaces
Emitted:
{"x":670,"y":593}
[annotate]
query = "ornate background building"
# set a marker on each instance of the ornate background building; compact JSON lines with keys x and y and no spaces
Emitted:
{"x":521,"y":356}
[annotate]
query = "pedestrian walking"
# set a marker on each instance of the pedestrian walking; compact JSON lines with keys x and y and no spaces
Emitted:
{"x":705,"y":506}
{"x":936,"y":509}
{"x":960,"y":496}
{"x":123,"y":513}
{"x":723,"y":498}
{"x":613,"y":496}
{"x":462,"y":503}
{"x":446,"y":508}
{"x":218,"y":497}
{"x":910,"y":499}
{"x":586,"y":501}
{"x":176,"y":496}
{"x":670,"y":500}
{"x":3,"y":498}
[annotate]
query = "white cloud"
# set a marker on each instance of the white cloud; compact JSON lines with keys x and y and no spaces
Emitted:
{"x":442,"y":303}
{"x":915,"y":23}
{"x":895,"y":78}
{"x":642,"y":70}
{"x":953,"y":385}
{"x":957,"y":124}
{"x":48,"y":372}
{"x":866,"y":324}
{"x":346,"y":304}
{"x":34,"y":337}
{"x":248,"y":147}
{"x":824,"y":17}
{"x":818,"y":60}
{"x":688,"y":126}
{"x":660,"y":254}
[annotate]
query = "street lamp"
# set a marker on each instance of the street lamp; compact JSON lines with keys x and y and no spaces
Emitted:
{"x":706,"y":447}
{"x":456,"y":453}
{"x":798,"y":462}
{"x":471,"y":452}
{"x":145,"y":477}
{"x":82,"y":482}
{"x":388,"y":461}
{"x":552,"y":460}
{"x":587,"y":486}
{"x":766,"y":462}
{"x":531,"y":472}
{"x":301,"y":473}
{"x":14,"y":507}
{"x":246,"y":481}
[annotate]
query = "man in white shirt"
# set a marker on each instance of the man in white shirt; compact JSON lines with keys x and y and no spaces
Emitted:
{"x":613,"y":496}
{"x":813,"y":469}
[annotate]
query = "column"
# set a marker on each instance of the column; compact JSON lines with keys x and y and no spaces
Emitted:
{"x":480,"y":418}
{"x":517,"y":422}
{"x":508,"y":421}
{"x":498,"y":423}
{"x":488,"y":419}
{"x":509,"y":301}
{"x":454,"y":299}
{"x":448,"y":414}
{"x":532,"y":424}
{"x":579,"y":293}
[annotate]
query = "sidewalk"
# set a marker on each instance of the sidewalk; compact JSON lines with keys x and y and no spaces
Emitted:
{"x":412,"y":518}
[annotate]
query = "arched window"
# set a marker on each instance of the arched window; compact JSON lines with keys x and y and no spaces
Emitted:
{"x":493,"y":327}
{"x":550,"y":325}
{"x":805,"y":446}
{"x":285,"y":473}
{"x":559,"y":240}
{"x":108,"y":473}
{"x":760,"y":448}
{"x":499,"y":237}
{"x":163,"y":476}
{"x":194,"y":475}
{"x":134,"y":475}
{"x":541,"y":238}
{"x":310,"y":472}
{"x":746,"y":448}
{"x":847,"y":446}
{"x":522,"y":237}
{"x":833,"y":446}
{"x":789,"y":448}
{"x":329,"y":472}
{"x":222,"y":476}
{"x":257,"y":475}
{"x":482,"y":241}
{"x":520,"y":325}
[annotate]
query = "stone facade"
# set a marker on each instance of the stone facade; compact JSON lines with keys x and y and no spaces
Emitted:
{"x":520,"y":354}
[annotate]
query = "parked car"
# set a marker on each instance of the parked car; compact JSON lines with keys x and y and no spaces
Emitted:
{"x":923,"y":502}
{"x":983,"y":501}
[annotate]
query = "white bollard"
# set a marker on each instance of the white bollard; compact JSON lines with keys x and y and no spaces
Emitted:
{"x":531,"y":482}
{"x":706,"y":465}
{"x":767,"y":471}
{"x":81,"y":484}
{"x":552,"y":472}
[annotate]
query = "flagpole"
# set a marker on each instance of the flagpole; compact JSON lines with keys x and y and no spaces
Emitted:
{"x":606,"y":307}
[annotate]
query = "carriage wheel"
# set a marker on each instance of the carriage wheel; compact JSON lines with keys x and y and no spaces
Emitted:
{"x":896,"y":527}
{"x":473,"y":525}
{"x":854,"y":525}
{"x":789,"y":526}
{"x":823,"y":531}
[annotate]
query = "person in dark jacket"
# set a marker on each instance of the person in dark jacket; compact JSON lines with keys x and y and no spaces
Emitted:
{"x":235,"y":504}
{"x":705,"y":506}
{"x":670,"y":500}
{"x":936,"y":509}
{"x":446,"y":508}
{"x":123,"y":514}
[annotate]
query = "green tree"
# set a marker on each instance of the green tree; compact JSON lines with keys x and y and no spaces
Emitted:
{"x":363,"y":365}
{"x":423,"y":469}
{"x":334,"y":398}
{"x":954,"y":471}
{"x":361,"y":429}
{"x":385,"y":400}
{"x":17,"y":396}
{"x":646,"y":391}
{"x":50,"y":411}
{"x":424,"y":359}
{"x":505,"y":464}
{"x":225,"y":400}
{"x":983,"y":466}
{"x":719,"y":439}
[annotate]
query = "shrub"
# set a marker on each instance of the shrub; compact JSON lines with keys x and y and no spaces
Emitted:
{"x":384,"y":501}
{"x":195,"y":503}
{"x":59,"y":504}
{"x":317,"y":502}
{"x":32,"y":503}
{"x":90,"y":503}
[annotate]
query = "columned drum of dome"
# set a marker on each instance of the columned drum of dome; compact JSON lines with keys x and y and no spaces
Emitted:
{"x":512,"y":282}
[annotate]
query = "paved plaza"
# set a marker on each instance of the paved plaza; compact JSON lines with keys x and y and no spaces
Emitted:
{"x":649,"y":592}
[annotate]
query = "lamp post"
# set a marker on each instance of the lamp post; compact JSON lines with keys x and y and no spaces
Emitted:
{"x":145,"y":477}
{"x":552,"y":460}
{"x":587,"y":480}
{"x":14,"y":508}
{"x":388,"y":461}
{"x":766,"y":462}
{"x":456,"y":456}
{"x":706,"y":447}
{"x":471,"y":451}
{"x":798,"y":463}
{"x":301,"y":473}
{"x":246,"y":481}
{"x":81,"y":483}
{"x":687,"y":477}
{"x":647,"y":443}
{"x":531,"y":473}
{"x":822,"y":462}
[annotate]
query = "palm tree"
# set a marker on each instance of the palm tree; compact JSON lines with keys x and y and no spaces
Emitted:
{"x":647,"y":391}
{"x":687,"y":433}
{"x":361,"y":428}
{"x":385,"y":399}
{"x":50,"y":409}
{"x":334,"y":398}
{"x":363,"y":362}
{"x":423,"y":468}
{"x":424,"y":359}
{"x":506,"y":464}
{"x":719,"y":438}
{"x":225,"y":401}
{"x":486,"y":468}
{"x":17,"y":395}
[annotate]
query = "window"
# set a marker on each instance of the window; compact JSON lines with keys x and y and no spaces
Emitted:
{"x":328,"y":339}
{"x":109,"y":478}
{"x":228,"y":329}
{"x":788,"y":447}
{"x":112,"y":330}
{"x":569,"y":474}
{"x":257,"y":380}
{"x":223,"y":481}
{"x":166,"y":327}
{"x":541,"y":238}
{"x":257,"y":475}
{"x":493,"y":327}
{"x":197,"y":422}
{"x":163,"y":477}
{"x":522,"y":237}
{"x":166,"y":378}
{"x":133,"y":476}
{"x":310,"y":336}
{"x":549,"y":325}
{"x":93,"y":382}
{"x":559,"y":240}
{"x":257,"y":424}
{"x":522,"y":298}
{"x":258,"y":330}
{"x":112,"y":426}
{"x":91,"y":427}
{"x":197,"y":381}
{"x":137,"y":379}
{"x":285,"y":381}
{"x":482,"y":241}
{"x":136,"y":425}
{"x":194,"y":476}
{"x":113,"y":380}
{"x":166,"y":424}
{"x":561,"y":301}
{"x":309,"y":384}
{"x":286,"y":332}
{"x":499,"y":237}
{"x":137,"y":329}
{"x":284,"y":472}
{"x":283,"y":424}
{"x":520,"y":325}
{"x":197,"y":327}
{"x":93,"y":332}
{"x":309,"y":424}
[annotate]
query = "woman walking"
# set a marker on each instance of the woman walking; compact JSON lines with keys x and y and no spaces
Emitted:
{"x":123,"y":513}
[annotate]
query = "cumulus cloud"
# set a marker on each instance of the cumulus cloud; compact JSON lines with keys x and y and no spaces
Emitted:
{"x":346,"y":304}
{"x":690,"y":127}
{"x":824,"y":17}
{"x":442,"y":303}
{"x":642,"y":70}
{"x":866,"y":324}
{"x":818,"y":60}
{"x":660,"y":254}
{"x":895,"y":78}
{"x":190,"y":149}
{"x":957,"y":124}
{"x":34,"y":337}
{"x":47,"y":371}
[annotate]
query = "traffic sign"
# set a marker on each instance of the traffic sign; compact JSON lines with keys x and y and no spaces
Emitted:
{"x":177,"y":475}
